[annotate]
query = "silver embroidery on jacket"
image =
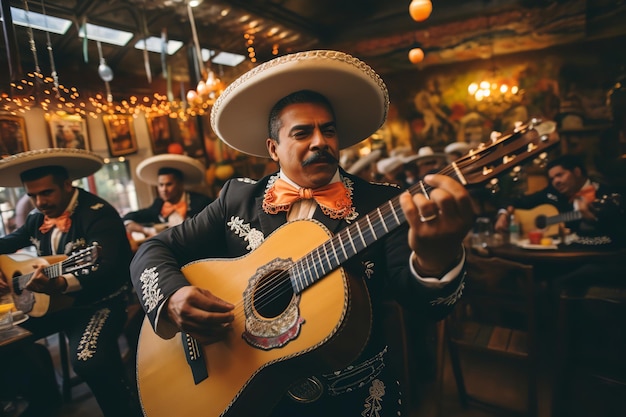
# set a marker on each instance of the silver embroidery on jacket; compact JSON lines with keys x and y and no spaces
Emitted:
{"x":249,"y":234}
{"x":452,"y":298}
{"x":89,"y":341}
{"x":355,"y":376}
{"x":151,"y":293}
{"x":373,"y":403}
{"x":97,"y":206}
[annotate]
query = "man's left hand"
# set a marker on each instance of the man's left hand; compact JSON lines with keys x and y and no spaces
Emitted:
{"x":437,"y":224}
{"x":39,"y":282}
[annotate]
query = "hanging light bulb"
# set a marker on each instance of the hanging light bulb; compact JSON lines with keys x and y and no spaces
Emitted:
{"x":416,"y":55}
{"x":420,"y":10}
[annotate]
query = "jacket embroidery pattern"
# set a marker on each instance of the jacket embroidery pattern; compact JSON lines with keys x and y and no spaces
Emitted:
{"x":452,"y":298}
{"x":89,"y":342}
{"x":151,"y":292}
{"x":249,"y":234}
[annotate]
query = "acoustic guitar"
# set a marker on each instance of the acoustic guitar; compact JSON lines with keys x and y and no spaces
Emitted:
{"x":543,"y":216}
{"x":19,"y":268}
{"x":298,"y":312}
{"x":546,"y":216}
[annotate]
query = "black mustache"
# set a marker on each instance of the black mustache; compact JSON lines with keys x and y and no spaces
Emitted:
{"x":320,"y":156}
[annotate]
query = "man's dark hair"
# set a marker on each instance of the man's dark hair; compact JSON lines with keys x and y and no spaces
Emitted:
{"x":59,"y":174}
{"x":178,"y":174}
{"x":302,"y":96}
{"x":568,"y":162}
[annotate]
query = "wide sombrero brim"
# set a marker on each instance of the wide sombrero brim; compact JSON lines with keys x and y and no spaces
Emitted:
{"x":192,"y":169}
{"x":358,"y":95}
{"x":79,"y":163}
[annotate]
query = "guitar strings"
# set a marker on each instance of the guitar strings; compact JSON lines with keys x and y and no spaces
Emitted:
{"x":268,"y":292}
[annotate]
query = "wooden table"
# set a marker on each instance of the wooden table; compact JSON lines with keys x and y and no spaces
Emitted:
{"x":564,"y":254}
{"x":13,"y":338}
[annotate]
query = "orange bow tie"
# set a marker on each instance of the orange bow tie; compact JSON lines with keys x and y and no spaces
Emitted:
{"x":334,"y":199}
{"x":587,"y":194}
{"x":63,"y":223}
{"x":180,"y":207}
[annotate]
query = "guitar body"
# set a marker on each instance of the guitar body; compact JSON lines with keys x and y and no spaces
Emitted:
{"x":527,"y":218}
{"x":34,"y":304}
{"x":324,"y":328}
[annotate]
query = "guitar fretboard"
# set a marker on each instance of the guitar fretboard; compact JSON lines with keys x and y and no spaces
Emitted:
{"x":353,"y":240}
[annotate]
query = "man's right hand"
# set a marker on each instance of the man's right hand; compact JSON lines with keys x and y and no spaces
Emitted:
{"x":4,"y":285}
{"x":136,"y":227}
{"x":199,"y":313}
{"x":502,"y":221}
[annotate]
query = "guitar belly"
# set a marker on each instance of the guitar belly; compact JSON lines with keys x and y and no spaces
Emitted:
{"x":247,"y":380}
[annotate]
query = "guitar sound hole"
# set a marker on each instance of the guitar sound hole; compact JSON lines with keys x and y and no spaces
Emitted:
{"x":272,"y":294}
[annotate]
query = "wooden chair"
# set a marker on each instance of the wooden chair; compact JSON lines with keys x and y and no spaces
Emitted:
{"x":495,"y":316}
{"x":590,"y":377}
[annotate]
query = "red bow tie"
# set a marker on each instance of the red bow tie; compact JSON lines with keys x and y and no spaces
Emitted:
{"x":180,"y":207}
{"x":334,"y":199}
{"x":63,"y":223}
{"x":587,"y":194}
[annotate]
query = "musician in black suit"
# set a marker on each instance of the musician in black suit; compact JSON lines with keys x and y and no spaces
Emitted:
{"x":571,"y":189}
{"x":300,"y":110}
{"x":68,"y":219}
{"x":172,"y":174}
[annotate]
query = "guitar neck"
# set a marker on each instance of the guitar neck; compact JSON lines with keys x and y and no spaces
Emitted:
{"x":477,"y":167}
{"x":52,"y":271}
{"x":570,"y":216}
{"x":352,"y":240}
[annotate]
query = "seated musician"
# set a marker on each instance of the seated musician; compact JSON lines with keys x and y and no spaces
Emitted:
{"x":171,"y":173}
{"x":571,"y":190}
{"x":300,"y":110}
{"x":602,"y":225}
{"x":68,"y":219}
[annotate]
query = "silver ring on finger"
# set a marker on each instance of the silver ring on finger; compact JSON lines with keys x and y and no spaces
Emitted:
{"x":428,"y":218}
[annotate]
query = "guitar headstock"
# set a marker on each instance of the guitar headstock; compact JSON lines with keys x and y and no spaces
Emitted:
{"x":506,"y":151}
{"x":83,"y":259}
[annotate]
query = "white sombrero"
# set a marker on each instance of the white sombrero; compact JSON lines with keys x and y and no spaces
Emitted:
{"x":358,"y":95}
{"x":79,"y":163}
{"x":192,"y":169}
{"x":425,"y":153}
{"x":460,"y":147}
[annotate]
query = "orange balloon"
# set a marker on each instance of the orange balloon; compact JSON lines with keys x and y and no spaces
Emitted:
{"x":416,"y":55}
{"x":176,"y":148}
{"x":420,"y":9}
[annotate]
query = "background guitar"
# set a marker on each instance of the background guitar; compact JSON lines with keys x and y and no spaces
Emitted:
{"x":547,"y":218}
{"x":19,"y":268}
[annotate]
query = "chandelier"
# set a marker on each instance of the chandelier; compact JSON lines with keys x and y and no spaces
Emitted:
{"x":494,"y":94}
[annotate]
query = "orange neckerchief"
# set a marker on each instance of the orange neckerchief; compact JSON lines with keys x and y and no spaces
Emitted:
{"x":63,"y":223}
{"x":587,"y":193}
{"x":334,"y":199}
{"x":180,"y":207}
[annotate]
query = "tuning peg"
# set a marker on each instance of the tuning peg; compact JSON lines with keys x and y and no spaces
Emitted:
{"x":493,"y":186}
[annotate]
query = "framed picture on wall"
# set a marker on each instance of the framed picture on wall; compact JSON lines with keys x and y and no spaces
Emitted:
{"x":12,"y":135}
{"x":120,"y":133}
{"x":160,"y":133}
{"x":68,"y":131}
{"x":186,"y":132}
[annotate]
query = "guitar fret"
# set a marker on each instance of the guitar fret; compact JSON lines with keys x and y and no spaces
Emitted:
{"x":309,"y":269}
{"x":382,"y":220}
{"x":320,"y":263}
{"x":330,"y":265}
{"x":341,"y":246}
{"x":334,"y":251}
{"x":371,"y":227}
{"x":393,"y":211}
{"x":361,"y":234}
{"x":297,"y":276}
{"x":351,"y":240}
